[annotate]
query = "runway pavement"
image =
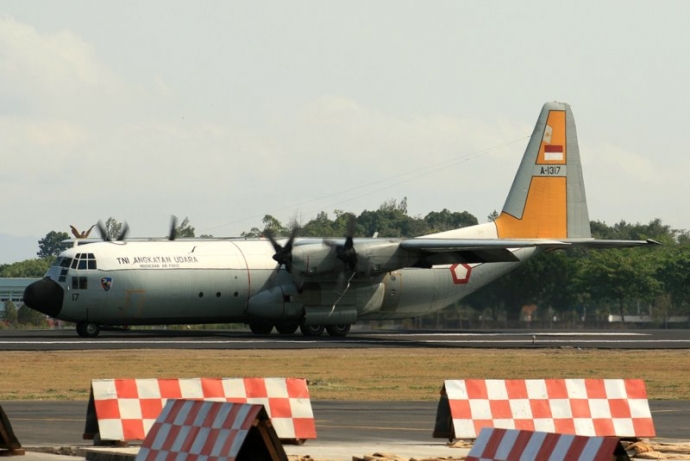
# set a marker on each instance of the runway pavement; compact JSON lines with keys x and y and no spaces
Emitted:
{"x":337,"y":422}
{"x":241,"y":339}
{"x":386,"y":426}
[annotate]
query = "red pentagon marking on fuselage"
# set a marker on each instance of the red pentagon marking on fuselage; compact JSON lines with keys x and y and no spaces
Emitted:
{"x":460,"y":273}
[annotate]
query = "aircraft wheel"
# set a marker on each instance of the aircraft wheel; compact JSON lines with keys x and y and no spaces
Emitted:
{"x":338,"y":330}
{"x":287,"y":329}
{"x":261,"y":328}
{"x":88,"y":329}
{"x":311,"y":330}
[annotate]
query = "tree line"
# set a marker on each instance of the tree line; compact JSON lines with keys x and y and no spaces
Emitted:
{"x":570,"y":287}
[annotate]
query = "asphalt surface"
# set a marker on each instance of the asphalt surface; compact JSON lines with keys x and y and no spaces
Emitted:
{"x":347,"y":422}
{"x":340,"y":425}
{"x":448,"y":339}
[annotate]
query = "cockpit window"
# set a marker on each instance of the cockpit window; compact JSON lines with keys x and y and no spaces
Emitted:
{"x":62,"y":262}
{"x":84,"y":261}
{"x":91,"y":260}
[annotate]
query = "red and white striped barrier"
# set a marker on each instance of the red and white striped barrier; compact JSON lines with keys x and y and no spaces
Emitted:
{"x":9,"y":445}
{"x":191,"y":430}
{"x":590,"y":407}
{"x":125,"y":409}
{"x":517,"y":445}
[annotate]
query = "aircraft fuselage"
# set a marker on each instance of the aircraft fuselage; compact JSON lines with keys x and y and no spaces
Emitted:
{"x":227,"y":281}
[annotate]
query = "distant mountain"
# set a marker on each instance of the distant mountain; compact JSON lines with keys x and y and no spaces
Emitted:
{"x":14,"y":249}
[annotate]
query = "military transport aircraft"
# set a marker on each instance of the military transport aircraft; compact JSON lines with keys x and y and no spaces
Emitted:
{"x":323,"y":283}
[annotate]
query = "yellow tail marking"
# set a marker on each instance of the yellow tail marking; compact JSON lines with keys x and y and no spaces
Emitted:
{"x":545,"y":213}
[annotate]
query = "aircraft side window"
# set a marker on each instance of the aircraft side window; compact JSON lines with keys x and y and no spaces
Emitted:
{"x":74,"y":264}
{"x":79,"y":283}
{"x":92,"y":264}
{"x":65,"y":262}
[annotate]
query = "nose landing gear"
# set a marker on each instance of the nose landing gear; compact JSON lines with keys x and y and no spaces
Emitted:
{"x":88,"y":329}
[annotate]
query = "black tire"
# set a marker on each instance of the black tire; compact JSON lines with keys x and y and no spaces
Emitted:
{"x":261,"y":328}
{"x":88,"y":329}
{"x":311,"y":330}
{"x":338,"y":330}
{"x":287,"y":329}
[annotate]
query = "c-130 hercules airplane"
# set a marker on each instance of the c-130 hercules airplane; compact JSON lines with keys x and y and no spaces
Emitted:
{"x":323,"y":283}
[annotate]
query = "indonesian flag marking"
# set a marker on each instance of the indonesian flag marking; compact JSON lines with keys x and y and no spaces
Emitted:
{"x":553,"y":153}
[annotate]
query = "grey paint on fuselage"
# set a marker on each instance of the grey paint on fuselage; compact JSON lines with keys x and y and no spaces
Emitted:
{"x":217,"y":285}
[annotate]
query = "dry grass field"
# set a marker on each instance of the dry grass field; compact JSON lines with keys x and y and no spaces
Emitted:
{"x":344,"y":374}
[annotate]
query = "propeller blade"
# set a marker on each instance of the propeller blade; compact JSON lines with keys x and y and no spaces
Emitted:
{"x":173,"y":228}
{"x":123,"y":234}
{"x":102,"y":231}
{"x":283,"y":254}
{"x":347,"y":253}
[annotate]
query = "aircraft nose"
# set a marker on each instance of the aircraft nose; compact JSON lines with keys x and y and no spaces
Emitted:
{"x":44,"y":296}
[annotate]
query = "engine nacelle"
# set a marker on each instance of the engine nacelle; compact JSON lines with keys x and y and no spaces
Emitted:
{"x":314,"y":259}
{"x":374,"y":257}
{"x":274,"y":304}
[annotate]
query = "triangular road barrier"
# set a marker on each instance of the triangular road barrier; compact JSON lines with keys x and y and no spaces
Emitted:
{"x":193,"y":429}
{"x":9,"y":445}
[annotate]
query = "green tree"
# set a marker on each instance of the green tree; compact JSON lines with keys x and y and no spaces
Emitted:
{"x":9,"y":314}
{"x":31,"y":268}
{"x":654,"y":230}
{"x":621,"y":275}
{"x":321,"y":226}
{"x":274,"y":225}
{"x":184,"y":230}
{"x":114,"y":229}
{"x":439,"y":221}
{"x":52,"y":244}
{"x":28,"y":316}
{"x":682,"y":237}
{"x":254,"y":232}
{"x":673,"y":271}
{"x":391,"y":220}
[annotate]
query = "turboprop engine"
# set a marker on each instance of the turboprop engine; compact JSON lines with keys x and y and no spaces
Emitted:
{"x":329,"y":257}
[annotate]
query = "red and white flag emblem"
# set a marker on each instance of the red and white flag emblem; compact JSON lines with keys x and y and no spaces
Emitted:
{"x":553,"y":153}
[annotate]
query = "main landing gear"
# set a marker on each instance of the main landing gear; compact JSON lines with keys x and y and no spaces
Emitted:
{"x":88,"y":329}
{"x":307,"y":330}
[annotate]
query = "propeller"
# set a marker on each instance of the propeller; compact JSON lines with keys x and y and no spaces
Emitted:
{"x":104,"y":233}
{"x":347,"y":254}
{"x":283,"y":254}
{"x":173,"y":228}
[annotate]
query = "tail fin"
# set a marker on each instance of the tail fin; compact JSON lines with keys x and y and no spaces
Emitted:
{"x":547,"y":198}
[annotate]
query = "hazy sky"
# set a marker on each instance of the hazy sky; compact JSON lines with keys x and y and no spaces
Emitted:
{"x":226,"y":111}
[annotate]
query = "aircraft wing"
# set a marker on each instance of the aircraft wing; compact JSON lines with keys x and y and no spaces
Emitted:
{"x":450,"y":251}
{"x":605,"y":244}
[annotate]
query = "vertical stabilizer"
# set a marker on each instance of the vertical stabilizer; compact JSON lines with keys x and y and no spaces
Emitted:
{"x":547,"y":198}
